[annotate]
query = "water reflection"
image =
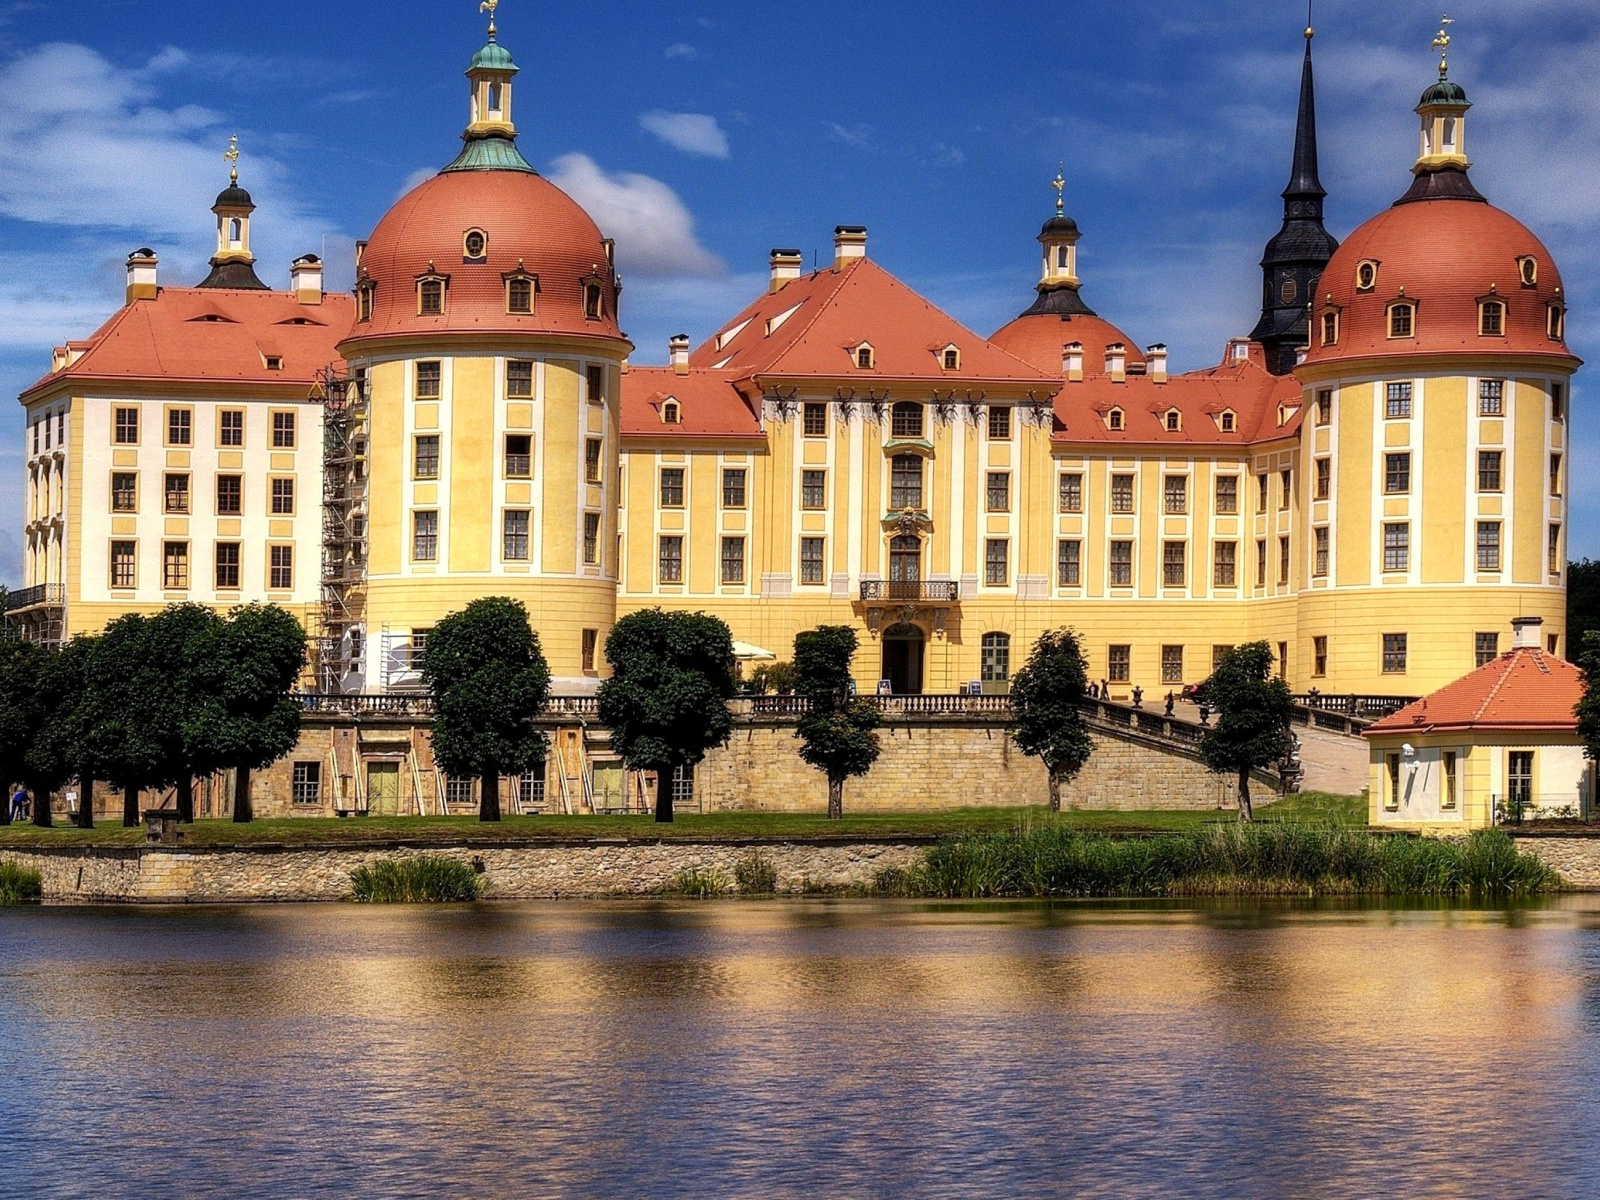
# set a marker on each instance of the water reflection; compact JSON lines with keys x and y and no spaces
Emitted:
{"x":800,"y":1049}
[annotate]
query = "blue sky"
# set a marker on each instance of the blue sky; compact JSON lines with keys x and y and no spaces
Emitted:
{"x":702,"y":135}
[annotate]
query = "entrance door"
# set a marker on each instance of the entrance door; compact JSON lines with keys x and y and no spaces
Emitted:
{"x":902,"y":659}
{"x":383,"y":789}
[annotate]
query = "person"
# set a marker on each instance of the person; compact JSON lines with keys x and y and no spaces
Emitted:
{"x":1170,"y":702}
{"x":19,"y":804}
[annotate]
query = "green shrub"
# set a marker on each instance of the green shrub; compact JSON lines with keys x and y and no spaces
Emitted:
{"x":756,"y":875}
{"x":698,"y":884}
{"x":420,"y":879}
{"x":19,"y":884}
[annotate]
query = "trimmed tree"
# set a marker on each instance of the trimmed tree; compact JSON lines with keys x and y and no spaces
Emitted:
{"x":837,"y":731}
{"x":1588,"y":710}
{"x":1046,"y":720}
{"x":666,"y":701}
{"x":1253,"y":728}
{"x":489,"y":681}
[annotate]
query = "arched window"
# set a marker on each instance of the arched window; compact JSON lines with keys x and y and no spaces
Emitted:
{"x":430,"y":297}
{"x":494,"y":98}
{"x":952,"y":359}
{"x":1227,"y":422}
{"x":864,"y":357}
{"x":1174,"y":420}
{"x":1114,"y":419}
{"x":905,"y":420}
{"x":1061,"y":258}
{"x":1449,"y":133}
{"x":1330,"y":329}
{"x":905,"y":481}
{"x":519,"y":294}
{"x":364,"y":295}
{"x":1402,"y":320}
{"x":593,"y":307}
{"x":1555,"y":322}
{"x":1491,"y":318}
{"x":235,"y":231}
{"x":996,"y":658}
{"x":670,"y":413}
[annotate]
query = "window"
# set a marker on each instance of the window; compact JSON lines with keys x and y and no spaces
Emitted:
{"x":1397,"y":546}
{"x":1071,"y":493}
{"x":36,"y":435}
{"x":283,"y":431}
{"x":227,"y":566}
{"x":682,"y":784}
{"x":1491,"y":397}
{"x":230,"y":495}
{"x":424,"y":536}
{"x":905,"y":420}
{"x":1228,"y":422}
{"x":1069,"y":563}
{"x":1555,"y":321}
{"x":364,"y":295}
{"x":595,"y":376}
{"x":1121,"y":564}
{"x":671,"y":487}
{"x":1485,"y":648}
{"x":1324,"y":478}
{"x":1488,"y":545}
{"x":1225,"y":564}
{"x":864,"y":357}
{"x":1177,"y":495}
{"x":1172,"y":664}
{"x":1558,"y":402}
{"x":905,"y":481}
{"x":1122,"y":493}
{"x":669,"y":566}
{"x":591,"y":641}
{"x":1397,"y":401}
{"x":1519,"y":779}
{"x":124,"y":562}
{"x":1367,"y":275}
{"x":1261,"y":562}
{"x":1447,"y":768}
{"x":996,"y":562}
{"x":1402,"y":320}
{"x":514,"y":541}
{"x":592,"y":448}
{"x":1330,"y":328}
{"x":733,"y":487}
{"x":1174,"y":420}
{"x":283,"y":497}
{"x":814,"y":420}
{"x":174,"y":565}
{"x":519,"y":455}
{"x":306,"y":784}
{"x":1118,"y":663}
{"x":519,"y":380}
{"x":1391,"y":763}
{"x":1114,"y":419}
{"x":1227,"y":494}
{"x":1491,"y":318}
{"x":733,"y":560}
{"x":1319,"y":656}
{"x":999,"y":424}
{"x":999,"y":491}
{"x":1528,"y":270}
{"x":1489,"y":478}
{"x":425,"y":456}
{"x":458,"y":789}
{"x":1553,"y":551}
{"x":273,"y":362}
{"x":177,"y":494}
{"x":1261,"y":493}
{"x":519,"y":295}
{"x":591,"y":538}
{"x":1173,"y":564}
{"x":1396,"y":473}
{"x":1283,"y":560}
{"x":125,"y":430}
{"x":951,"y":359}
{"x":995,"y":658}
{"x":430,"y":378}
{"x":430,"y":297}
{"x":125,"y":492}
{"x":1286,"y":490}
{"x":230,"y":427}
{"x":814,"y":489}
{"x":810,"y":560}
{"x":1394,"y":653}
{"x":180,"y":427}
{"x":1555,"y":474}
{"x":1325,"y":406}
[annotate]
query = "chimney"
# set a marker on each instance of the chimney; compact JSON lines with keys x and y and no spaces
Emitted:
{"x":142,"y":274}
{"x":1117,"y":362}
{"x":1072,"y":361}
{"x":786,"y":267}
{"x":1525,"y":633}
{"x":1157,"y":358}
{"x":678,"y":353}
{"x":306,"y":276}
{"x":849,"y":244}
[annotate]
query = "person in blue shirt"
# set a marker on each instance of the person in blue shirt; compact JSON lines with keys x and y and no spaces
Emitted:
{"x":19,"y":804}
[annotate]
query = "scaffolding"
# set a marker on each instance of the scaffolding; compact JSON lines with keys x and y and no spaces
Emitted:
{"x":337,"y":640}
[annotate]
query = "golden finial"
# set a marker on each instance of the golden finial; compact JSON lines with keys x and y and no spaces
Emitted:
{"x":1310,"y":32}
{"x":1060,"y":185}
{"x":489,"y":6}
{"x":232,"y":155}
{"x":1441,"y":43}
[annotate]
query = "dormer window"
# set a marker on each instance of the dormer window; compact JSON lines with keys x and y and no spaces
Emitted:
{"x":1173,"y":420}
{"x":593,"y":301}
{"x":670,"y":413}
{"x":430,"y":296}
{"x":273,"y":362}
{"x":1402,"y":319}
{"x":474,"y":246}
{"x":1528,"y":270}
{"x":364,"y":295}
{"x":519,"y":293}
{"x":864,"y":357}
{"x":950,"y":358}
{"x":1555,"y":322}
{"x":1114,"y":419}
{"x":1229,"y":422}
{"x":1366,"y":275}
{"x":1330,"y":327}
{"x":1491,"y":318}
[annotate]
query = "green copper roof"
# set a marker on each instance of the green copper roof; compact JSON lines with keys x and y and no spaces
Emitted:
{"x":490,"y":154}
{"x":493,"y":57}
{"x":1446,"y":91}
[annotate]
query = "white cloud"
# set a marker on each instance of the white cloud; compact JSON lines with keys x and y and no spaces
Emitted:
{"x":654,"y":229}
{"x":416,"y":179}
{"x":850,"y":135}
{"x":693,"y":133}
{"x":682,"y":50}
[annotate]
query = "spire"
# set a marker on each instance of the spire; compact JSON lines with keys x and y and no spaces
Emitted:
{"x":233,"y":265}
{"x":1303,"y":181}
{"x":1058,"y":282}
{"x":1441,"y":167}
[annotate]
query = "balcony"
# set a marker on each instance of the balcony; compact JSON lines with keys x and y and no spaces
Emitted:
{"x":910,"y":591}
{"x":42,"y":595}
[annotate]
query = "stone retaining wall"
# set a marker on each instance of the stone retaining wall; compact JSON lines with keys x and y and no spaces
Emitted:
{"x":1576,"y":859}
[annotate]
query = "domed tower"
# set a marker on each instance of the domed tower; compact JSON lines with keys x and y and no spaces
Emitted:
{"x":1435,"y":433}
{"x":486,"y":329}
{"x":233,"y":265}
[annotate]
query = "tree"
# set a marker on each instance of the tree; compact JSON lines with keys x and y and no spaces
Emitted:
{"x":184,"y":638}
{"x":1583,"y":603}
{"x":1588,"y":709}
{"x":59,"y":752}
{"x":1047,"y":722}
{"x":20,"y":667}
{"x":1253,"y":728}
{"x":666,"y":702}
{"x":773,"y":677}
{"x":124,"y":715}
{"x":489,"y":681}
{"x":837,"y":729}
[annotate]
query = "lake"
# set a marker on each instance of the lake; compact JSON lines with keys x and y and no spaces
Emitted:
{"x":801,"y":1048}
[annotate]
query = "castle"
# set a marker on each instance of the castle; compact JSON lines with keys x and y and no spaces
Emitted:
{"x":1373,"y":481}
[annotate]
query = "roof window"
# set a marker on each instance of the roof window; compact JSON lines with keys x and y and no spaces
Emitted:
{"x":1366,"y":275}
{"x":671,"y":414}
{"x":1114,"y":419}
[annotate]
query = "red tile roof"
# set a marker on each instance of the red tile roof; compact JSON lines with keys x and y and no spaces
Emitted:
{"x":1525,"y":689}
{"x":709,"y":405}
{"x":1038,"y":339}
{"x":212,"y":335}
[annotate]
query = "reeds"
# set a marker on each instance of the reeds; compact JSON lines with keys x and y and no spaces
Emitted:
{"x":19,"y":884}
{"x":698,"y":884}
{"x":420,"y":879}
{"x":756,"y":875}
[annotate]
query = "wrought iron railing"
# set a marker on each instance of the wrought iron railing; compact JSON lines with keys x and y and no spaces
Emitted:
{"x":924,"y":591}
{"x":33,"y":597}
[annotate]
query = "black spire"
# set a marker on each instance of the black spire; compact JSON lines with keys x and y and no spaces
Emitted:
{"x":1297,"y":253}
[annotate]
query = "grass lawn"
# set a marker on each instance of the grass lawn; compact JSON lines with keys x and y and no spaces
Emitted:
{"x":1316,"y":807}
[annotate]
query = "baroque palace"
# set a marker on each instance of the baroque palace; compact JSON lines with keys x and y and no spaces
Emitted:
{"x":1373,"y":480}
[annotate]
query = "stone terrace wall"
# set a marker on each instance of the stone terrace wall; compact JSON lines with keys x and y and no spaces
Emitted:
{"x":1576,"y":859}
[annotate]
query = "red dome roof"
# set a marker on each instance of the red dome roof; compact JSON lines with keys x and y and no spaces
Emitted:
{"x":1037,"y":339}
{"x":1446,"y":255}
{"x":530,"y":225}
